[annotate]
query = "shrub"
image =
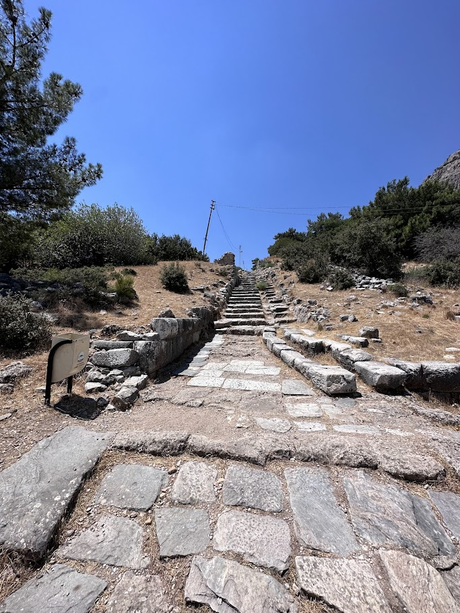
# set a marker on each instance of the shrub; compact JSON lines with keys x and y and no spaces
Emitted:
{"x":129,"y":271}
{"x":312,"y":271}
{"x":261,"y":285}
{"x":341,"y":279}
{"x":86,"y":283}
{"x":21,"y":331}
{"x":444,"y":272}
{"x":174,"y":278}
{"x":124,"y":286}
{"x":398,"y":289}
{"x":438,"y":243}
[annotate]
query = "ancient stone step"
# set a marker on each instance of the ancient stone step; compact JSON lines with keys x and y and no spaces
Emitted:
{"x":382,"y":377}
{"x":260,"y":539}
{"x":320,"y":522}
{"x":388,"y":515}
{"x":348,"y":585}
{"x":112,"y":540}
{"x":229,"y":587}
{"x":60,"y":588}
{"x":36,"y":491}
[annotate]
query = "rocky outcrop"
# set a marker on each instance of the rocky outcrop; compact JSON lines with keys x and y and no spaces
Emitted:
{"x":449,"y":171}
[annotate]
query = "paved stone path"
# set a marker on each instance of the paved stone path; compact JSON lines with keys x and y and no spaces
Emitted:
{"x":316,"y":504}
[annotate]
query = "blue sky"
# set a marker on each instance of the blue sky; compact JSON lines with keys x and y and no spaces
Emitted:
{"x":300,"y":106}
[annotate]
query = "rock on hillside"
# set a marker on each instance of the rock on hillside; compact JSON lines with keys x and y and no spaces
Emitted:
{"x":449,"y":171}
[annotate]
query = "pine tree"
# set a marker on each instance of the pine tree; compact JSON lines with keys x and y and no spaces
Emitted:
{"x":37,"y":177}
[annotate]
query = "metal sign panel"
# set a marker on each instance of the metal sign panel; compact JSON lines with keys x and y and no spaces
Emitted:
{"x":70,"y":358}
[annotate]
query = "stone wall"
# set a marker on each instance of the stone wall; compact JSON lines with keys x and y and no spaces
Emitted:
{"x":228,"y":259}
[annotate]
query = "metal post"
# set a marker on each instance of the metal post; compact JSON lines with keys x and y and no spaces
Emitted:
{"x":49,"y":370}
{"x":213,"y":206}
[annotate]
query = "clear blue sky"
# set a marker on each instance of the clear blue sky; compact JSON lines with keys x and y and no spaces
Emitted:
{"x":275,"y":104}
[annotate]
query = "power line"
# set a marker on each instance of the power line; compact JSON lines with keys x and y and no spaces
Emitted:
{"x":231,"y":245}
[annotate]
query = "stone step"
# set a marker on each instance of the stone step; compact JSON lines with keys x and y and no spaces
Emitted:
{"x":247,"y":321}
{"x":36,"y":491}
{"x":242,"y":330}
{"x":244,"y":315}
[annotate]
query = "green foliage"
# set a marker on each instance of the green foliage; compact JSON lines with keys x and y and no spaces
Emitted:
{"x":341,"y":279}
{"x":15,"y":241}
{"x":265,"y":263}
{"x":21,"y":331}
{"x":168,"y":248}
{"x":173,"y":277}
{"x":124,"y":286}
{"x":129,"y":271}
{"x":261,"y":285}
{"x":444,"y":272}
{"x":438,"y":243}
{"x":313,"y":270}
{"x":88,"y":284}
{"x":36,"y":177}
{"x":368,"y":246}
{"x":398,"y":289}
{"x":93,"y":236}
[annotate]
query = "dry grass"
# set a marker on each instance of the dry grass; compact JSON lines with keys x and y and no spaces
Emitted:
{"x":409,"y":333}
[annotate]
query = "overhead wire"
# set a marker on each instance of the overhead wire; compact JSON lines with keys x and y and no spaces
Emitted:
{"x":231,"y":245}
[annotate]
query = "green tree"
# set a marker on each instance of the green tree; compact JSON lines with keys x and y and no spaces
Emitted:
{"x":37,"y":177}
{"x":93,"y":236}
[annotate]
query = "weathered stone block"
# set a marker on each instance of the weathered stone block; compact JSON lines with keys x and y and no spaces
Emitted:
{"x":115,"y":358}
{"x":382,"y":377}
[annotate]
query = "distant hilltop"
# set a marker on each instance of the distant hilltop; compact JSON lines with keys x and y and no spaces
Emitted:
{"x":449,"y":171}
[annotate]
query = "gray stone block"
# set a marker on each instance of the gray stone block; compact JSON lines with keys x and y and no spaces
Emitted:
{"x":262,"y":540}
{"x":369,"y":332}
{"x":418,"y":586}
{"x":350,"y":586}
{"x":448,"y":504}
{"x":115,"y":358}
{"x":252,"y":488}
{"x":59,"y":589}
{"x":139,"y":594}
{"x":388,"y":515}
{"x":160,"y":442}
{"x":229,"y":587}
{"x":320,"y":522}
{"x":442,"y":377}
{"x":181,"y":532}
{"x":293,"y":387}
{"x":112,"y":540}
{"x":382,"y":377}
{"x":332,"y":380}
{"x":194,"y":484}
{"x":36,"y":491}
{"x":131,"y":486}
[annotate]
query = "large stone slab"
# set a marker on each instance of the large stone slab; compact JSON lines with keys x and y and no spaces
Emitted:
{"x":262,"y":540}
{"x":36,"y":491}
{"x":181,"y":532}
{"x":332,"y":380}
{"x":304,"y":410}
{"x":418,"y":586}
{"x":274,"y":424}
{"x":442,"y":377}
{"x":139,"y":594}
{"x":131,"y":486}
{"x":382,"y":377}
{"x":320,"y":522}
{"x":194,"y":484}
{"x":111,"y":540}
{"x":115,"y":358}
{"x":59,"y":589}
{"x":388,"y":515}
{"x":348,"y":585}
{"x":452,"y":579}
{"x":293,"y":387}
{"x":448,"y":505}
{"x":228,"y":587}
{"x":252,"y":488}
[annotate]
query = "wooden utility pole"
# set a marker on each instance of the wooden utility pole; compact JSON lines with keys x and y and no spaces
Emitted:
{"x":239,"y":258}
{"x":213,"y":206}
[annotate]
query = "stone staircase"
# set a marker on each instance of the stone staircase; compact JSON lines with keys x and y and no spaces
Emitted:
{"x":245,"y":314}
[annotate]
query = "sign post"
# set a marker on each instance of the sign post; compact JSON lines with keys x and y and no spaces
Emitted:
{"x":68,"y":356}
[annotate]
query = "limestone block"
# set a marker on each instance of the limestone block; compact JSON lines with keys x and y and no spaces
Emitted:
{"x":442,"y":377}
{"x":115,"y":358}
{"x":382,"y":377}
{"x":332,"y":379}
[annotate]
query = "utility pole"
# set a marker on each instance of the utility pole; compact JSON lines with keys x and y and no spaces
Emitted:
{"x":213,"y":206}
{"x":239,"y":257}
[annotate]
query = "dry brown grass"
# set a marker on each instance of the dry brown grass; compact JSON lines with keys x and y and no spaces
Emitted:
{"x":409,"y":333}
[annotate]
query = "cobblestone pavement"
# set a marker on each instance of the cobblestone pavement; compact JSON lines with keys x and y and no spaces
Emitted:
{"x":318,"y":504}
